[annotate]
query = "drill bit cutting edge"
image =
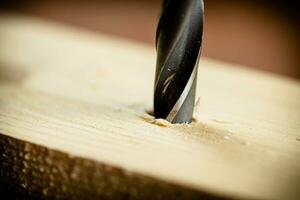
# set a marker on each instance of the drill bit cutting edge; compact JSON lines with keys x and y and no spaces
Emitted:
{"x":178,"y":44}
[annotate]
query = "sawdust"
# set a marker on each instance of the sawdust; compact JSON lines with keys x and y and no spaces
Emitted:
{"x":152,"y":120}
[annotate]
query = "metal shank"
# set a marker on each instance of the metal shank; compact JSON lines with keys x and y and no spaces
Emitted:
{"x":178,"y":43}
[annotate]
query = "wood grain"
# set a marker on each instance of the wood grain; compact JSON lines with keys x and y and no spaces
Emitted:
{"x":85,"y":97}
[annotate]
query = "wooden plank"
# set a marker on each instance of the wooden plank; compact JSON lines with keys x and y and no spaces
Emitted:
{"x":82,"y":100}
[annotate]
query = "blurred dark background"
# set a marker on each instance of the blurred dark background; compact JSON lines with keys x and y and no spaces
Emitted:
{"x":254,"y":33}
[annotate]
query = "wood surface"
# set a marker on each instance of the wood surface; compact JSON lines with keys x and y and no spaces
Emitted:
{"x":74,"y":123}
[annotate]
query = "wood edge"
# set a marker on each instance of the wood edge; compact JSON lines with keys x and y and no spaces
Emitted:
{"x":30,"y":171}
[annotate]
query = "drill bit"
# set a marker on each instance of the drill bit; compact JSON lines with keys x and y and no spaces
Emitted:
{"x":178,"y":44}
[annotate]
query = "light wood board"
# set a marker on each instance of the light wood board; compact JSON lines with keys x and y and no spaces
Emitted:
{"x":87,"y":95}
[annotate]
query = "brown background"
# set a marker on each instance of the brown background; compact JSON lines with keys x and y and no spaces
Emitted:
{"x":258,"y":34}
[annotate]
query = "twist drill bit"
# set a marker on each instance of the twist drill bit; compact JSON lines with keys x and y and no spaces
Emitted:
{"x":178,"y":44}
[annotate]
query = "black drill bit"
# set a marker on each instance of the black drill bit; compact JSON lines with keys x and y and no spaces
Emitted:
{"x":178,"y":44}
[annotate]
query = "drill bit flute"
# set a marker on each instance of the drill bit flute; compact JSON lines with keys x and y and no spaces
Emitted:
{"x":178,"y":43}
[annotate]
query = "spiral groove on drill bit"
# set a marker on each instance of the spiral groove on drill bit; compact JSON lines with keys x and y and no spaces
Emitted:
{"x":178,"y":43}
